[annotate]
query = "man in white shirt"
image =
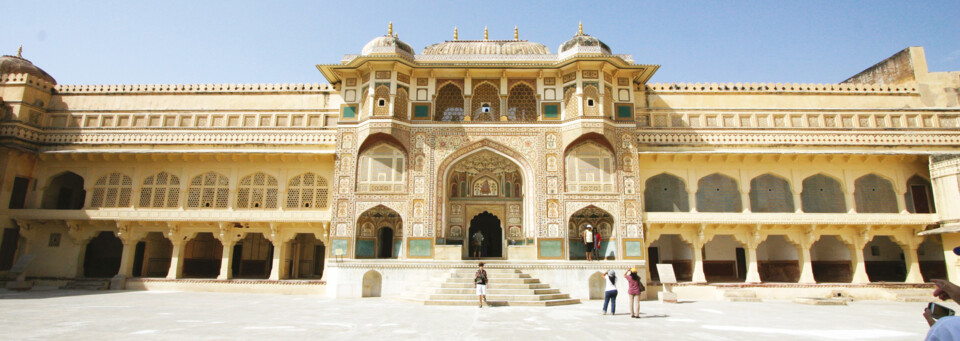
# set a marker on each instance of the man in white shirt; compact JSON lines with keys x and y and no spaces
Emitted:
{"x":588,"y":241}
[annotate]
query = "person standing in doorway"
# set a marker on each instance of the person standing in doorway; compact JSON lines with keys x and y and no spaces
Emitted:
{"x":588,"y":241}
{"x":477,"y":241}
{"x":480,"y":282}
{"x":610,"y":294}
{"x":596,"y":244}
{"x":634,"y":290}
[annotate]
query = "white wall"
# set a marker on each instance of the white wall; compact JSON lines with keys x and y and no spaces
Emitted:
{"x":721,"y":247}
{"x":776,"y":247}
{"x":829,"y":248}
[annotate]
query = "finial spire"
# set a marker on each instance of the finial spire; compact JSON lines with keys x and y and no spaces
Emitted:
{"x":516,"y":33}
{"x":580,"y":29}
{"x":390,"y":29}
{"x":455,"y":33}
{"x":20,"y":52}
{"x":485,"y":33}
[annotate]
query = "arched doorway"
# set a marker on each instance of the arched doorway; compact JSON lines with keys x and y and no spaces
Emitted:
{"x":385,"y":241}
{"x":831,"y":260}
{"x":601,"y":221}
{"x":490,"y":227}
{"x":102,"y":258}
{"x":379,"y":233}
{"x":673,"y":250}
{"x":65,"y":192}
{"x":884,"y":260}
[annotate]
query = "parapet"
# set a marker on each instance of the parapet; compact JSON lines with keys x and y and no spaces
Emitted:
{"x":842,"y":88}
{"x":193,"y":88}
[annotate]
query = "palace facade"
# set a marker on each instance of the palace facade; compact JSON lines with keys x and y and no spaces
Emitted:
{"x":381,"y":176}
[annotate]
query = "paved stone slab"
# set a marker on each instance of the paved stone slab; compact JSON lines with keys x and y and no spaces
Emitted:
{"x":138,"y":315}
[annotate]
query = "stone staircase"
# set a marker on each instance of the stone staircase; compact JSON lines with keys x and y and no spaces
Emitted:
{"x":87,"y":284}
{"x":739,"y":295}
{"x":506,"y":287}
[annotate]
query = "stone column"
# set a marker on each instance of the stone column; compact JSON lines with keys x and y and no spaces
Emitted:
{"x":692,"y":199}
{"x":698,"y":275}
{"x":176,"y":259}
{"x":226,"y":259}
{"x":279,"y":251}
{"x":851,"y":202}
{"x":806,"y":264}
{"x":228,"y":239}
{"x":856,"y":256}
{"x":750,"y":243}
{"x":901,"y":200}
{"x":129,"y":239}
{"x":797,"y":202}
{"x":910,"y":243}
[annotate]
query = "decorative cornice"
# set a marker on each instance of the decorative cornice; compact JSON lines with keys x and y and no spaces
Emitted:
{"x":171,"y":137}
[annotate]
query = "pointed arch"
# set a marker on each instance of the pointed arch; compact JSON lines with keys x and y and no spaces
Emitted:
{"x":522,"y":103}
{"x":449,"y":102}
{"x":718,"y":193}
{"x":770,"y":193}
{"x":485,"y":102}
{"x":64,"y":191}
{"x":112,"y":190}
{"x":665,"y":192}
{"x":257,"y":191}
{"x":307,"y":191}
{"x":208,"y":190}
{"x":822,"y":194}
{"x":589,"y":167}
{"x":874,"y":194}
{"x":160,"y":190}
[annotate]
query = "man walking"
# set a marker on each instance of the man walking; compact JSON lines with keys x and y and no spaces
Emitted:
{"x":477,"y":242}
{"x":480,"y":282}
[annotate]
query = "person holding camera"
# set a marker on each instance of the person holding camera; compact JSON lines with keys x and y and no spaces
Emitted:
{"x":944,"y":327}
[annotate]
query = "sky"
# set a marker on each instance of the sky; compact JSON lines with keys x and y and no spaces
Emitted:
{"x":200,"y":41}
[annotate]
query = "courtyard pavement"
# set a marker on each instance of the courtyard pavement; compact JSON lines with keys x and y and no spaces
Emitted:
{"x":156,"y":315}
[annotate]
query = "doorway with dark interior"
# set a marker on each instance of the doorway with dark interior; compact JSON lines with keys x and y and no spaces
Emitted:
{"x":385,"y":238}
{"x":488,"y":225}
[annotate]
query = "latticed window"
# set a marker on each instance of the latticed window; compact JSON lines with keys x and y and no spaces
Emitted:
{"x":208,"y":190}
{"x":112,"y":190}
{"x":590,"y":168}
{"x":161,"y":190}
{"x":485,"y":104}
{"x":258,"y":190}
{"x":400,"y":104}
{"x":590,"y":96}
{"x":570,"y":106}
{"x":522,"y":103}
{"x":449,"y":106}
{"x":307,"y":191}
{"x":381,"y":170}
{"x":381,"y":100}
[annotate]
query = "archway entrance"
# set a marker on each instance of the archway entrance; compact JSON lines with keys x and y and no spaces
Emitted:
{"x":102,"y":258}
{"x":484,"y":194}
{"x":601,"y":222}
{"x":385,"y":238}
{"x":489,"y":227}
{"x":380,"y":233}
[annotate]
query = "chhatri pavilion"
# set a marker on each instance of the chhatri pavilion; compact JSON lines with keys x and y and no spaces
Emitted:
{"x":372,"y":183}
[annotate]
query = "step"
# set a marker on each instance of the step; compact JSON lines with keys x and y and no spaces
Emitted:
{"x":501,"y":280}
{"x":490,"y":275}
{"x":739,"y":294}
{"x":820,"y":301}
{"x":504,"y":303}
{"x":87,"y":285}
{"x":494,"y":291}
{"x":454,"y":297}
{"x":743,"y":299}
{"x":491,"y":286}
{"x":489,"y":271}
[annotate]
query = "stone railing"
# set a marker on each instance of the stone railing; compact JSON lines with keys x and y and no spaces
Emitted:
{"x":116,"y":136}
{"x":198,"y":215}
{"x":909,"y":119}
{"x":313,"y":119}
{"x":192,"y":88}
{"x":791,"y":218}
{"x":24,"y":78}
{"x":779,"y":88}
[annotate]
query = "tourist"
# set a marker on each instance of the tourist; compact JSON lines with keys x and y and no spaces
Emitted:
{"x":480,"y":282}
{"x":634,"y":290}
{"x":947,"y":327}
{"x":596,"y":244}
{"x":477,"y":242}
{"x":588,"y":240}
{"x":610,"y":294}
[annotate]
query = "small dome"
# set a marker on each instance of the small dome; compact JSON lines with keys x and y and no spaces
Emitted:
{"x":386,"y":44}
{"x":15,"y":64}
{"x":584,"y":43}
{"x":489,"y":47}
